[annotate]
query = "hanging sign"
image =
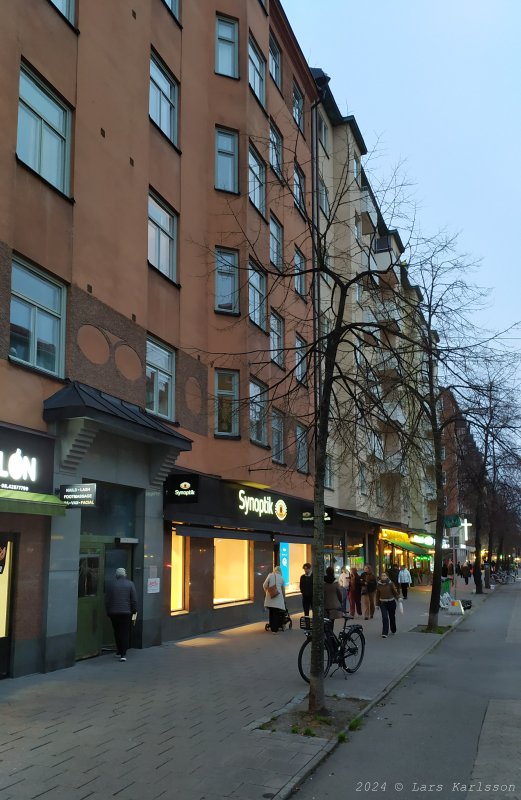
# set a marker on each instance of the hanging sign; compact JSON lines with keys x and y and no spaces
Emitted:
{"x":78,"y":495}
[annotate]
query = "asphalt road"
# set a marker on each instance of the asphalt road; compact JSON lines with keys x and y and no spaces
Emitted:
{"x":452,"y":726}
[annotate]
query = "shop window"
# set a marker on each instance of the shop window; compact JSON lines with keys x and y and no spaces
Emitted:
{"x":177,"y":574}
{"x":294,"y":555}
{"x":6,"y":551}
{"x":88,"y":575}
{"x":232,"y":571}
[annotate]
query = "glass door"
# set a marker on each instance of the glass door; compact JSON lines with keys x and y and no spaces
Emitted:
{"x":6,"y":579}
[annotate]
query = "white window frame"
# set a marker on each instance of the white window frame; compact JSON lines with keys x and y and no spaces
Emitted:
{"x":359,"y":292}
{"x":362,"y":481}
{"x":300,"y":359}
{"x":256,"y":180}
{"x":277,"y":436}
{"x":299,"y":188}
{"x":323,"y":198}
{"x":228,"y":44}
{"x":256,"y":71}
{"x":229,"y":154}
{"x":227,"y":272}
{"x":275,"y":61}
{"x":328,"y":474}
{"x":276,"y":150}
{"x":228,"y":395}
{"x":258,"y":406}
{"x":298,"y":106}
{"x":39,"y":309}
{"x":357,"y":229}
{"x":165,"y":116}
{"x":277,"y":339}
{"x":299,"y":262}
{"x":32,"y":105}
{"x":257,"y":295}
{"x":161,"y":235}
{"x":276,"y":243}
{"x":323,"y":131}
{"x":356,"y":169}
{"x":301,"y":449}
{"x":66,"y":8}
{"x":167,"y":373}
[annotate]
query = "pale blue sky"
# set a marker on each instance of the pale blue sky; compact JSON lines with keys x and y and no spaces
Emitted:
{"x":438,"y":83}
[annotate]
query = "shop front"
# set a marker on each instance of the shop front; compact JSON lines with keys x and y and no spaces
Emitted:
{"x":399,"y":548}
{"x":222,"y":539}
{"x":27,"y":505}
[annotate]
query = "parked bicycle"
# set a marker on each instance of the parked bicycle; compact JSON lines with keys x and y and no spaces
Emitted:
{"x":345,"y":651}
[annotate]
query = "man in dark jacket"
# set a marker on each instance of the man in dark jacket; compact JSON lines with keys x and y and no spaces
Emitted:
{"x":121,"y":605}
{"x":306,"y":588}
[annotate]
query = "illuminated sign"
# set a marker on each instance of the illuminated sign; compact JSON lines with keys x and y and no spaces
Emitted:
{"x":262,"y":506}
{"x":78,"y":495}
{"x":26,"y":461}
{"x":181,"y":489}
{"x":427,"y":541}
{"x":17,"y":467}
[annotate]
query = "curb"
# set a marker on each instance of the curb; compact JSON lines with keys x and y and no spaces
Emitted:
{"x":293,"y":784}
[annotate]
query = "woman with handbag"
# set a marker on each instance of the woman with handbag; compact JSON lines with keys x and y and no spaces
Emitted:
{"x":274,"y":600}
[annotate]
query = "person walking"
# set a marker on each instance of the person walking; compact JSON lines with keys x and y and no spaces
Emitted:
{"x":332,"y":597}
{"x":404,"y":580}
{"x":274,"y":600}
{"x":121,"y":607}
{"x":386,"y":597}
{"x":355,"y":589}
{"x":306,"y":588}
{"x":343,"y":582}
{"x":465,"y":572}
{"x":392,"y":573}
{"x":368,"y":591}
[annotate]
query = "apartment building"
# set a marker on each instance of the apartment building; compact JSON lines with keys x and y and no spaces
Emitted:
{"x":154,"y":317}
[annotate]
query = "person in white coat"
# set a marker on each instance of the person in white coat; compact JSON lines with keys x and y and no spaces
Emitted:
{"x":275,"y":603}
{"x":404,"y":580}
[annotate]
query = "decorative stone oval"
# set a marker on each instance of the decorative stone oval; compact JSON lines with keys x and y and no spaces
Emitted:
{"x":93,"y":344}
{"x":128,"y":362}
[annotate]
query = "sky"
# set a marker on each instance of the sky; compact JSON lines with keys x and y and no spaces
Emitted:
{"x":436,"y":86}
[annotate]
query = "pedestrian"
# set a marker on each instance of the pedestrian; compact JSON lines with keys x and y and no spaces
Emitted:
{"x":465,"y":572}
{"x":392,"y":573}
{"x":355,"y":590}
{"x":404,"y":579}
{"x":306,"y":588}
{"x":368,"y":591}
{"x":121,"y":607}
{"x":386,"y":597}
{"x":343,"y":582}
{"x":332,"y":597}
{"x":275,"y":600}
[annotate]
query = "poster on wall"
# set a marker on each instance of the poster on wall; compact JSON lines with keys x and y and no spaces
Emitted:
{"x":284,"y":561}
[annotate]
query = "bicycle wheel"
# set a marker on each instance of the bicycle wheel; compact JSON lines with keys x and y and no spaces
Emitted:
{"x":354,"y":649}
{"x":304,"y":659}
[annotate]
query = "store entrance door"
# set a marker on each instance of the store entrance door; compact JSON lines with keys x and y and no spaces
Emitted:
{"x":6,"y":579}
{"x":99,"y":559}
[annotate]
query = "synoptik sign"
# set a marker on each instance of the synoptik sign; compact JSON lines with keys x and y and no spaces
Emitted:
{"x":263,"y":506}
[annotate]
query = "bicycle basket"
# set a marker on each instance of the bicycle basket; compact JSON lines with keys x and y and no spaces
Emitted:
{"x":305,"y":623}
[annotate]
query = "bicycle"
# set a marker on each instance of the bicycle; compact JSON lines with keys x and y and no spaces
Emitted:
{"x":346,"y":650}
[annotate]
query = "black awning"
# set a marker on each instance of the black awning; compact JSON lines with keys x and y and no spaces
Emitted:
{"x":127,"y":419}
{"x":221,"y":533}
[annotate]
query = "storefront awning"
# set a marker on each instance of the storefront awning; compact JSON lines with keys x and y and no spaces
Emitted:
{"x":413,"y":548}
{"x":48,"y":505}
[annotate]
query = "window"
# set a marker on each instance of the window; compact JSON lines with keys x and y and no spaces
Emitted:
{"x":37,"y":326}
{"x":328,"y":475}
{"x":256,"y":180}
{"x":162,"y":237}
{"x":276,"y":243}
{"x":163,"y":99}
{"x":298,"y":107}
{"x":177,"y":574}
{"x":226,"y":281}
{"x":297,"y":554}
{"x":173,"y":5}
{"x":277,"y":436}
{"x":275,"y":62}
{"x":322,"y":131}
{"x":356,"y":169}
{"x":277,"y":339}
{"x":300,"y":359}
{"x":301,"y":444}
{"x":300,"y":276}
{"x":226,"y":161}
{"x":359,"y":291}
{"x":276,"y":150}
{"x":258,"y":413}
{"x":443,"y":453}
{"x":299,"y":188}
{"x":227,"y":47}
{"x":43,"y":140}
{"x":231,"y":557}
{"x":362,"y":481}
{"x":66,"y":7}
{"x":358,"y":230}
{"x":257,"y":296}
{"x":226,"y":403}
{"x":323,"y":198}
{"x":379,"y":494}
{"x":256,"y":70}
{"x":160,"y":380}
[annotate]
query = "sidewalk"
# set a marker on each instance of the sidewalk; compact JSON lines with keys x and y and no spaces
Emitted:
{"x":182,"y":720}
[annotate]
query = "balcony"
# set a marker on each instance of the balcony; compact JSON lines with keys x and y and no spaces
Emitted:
{"x":393,"y":464}
{"x":386,"y":361}
{"x":429,"y":492}
{"x":395,"y":413}
{"x":368,"y":213}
